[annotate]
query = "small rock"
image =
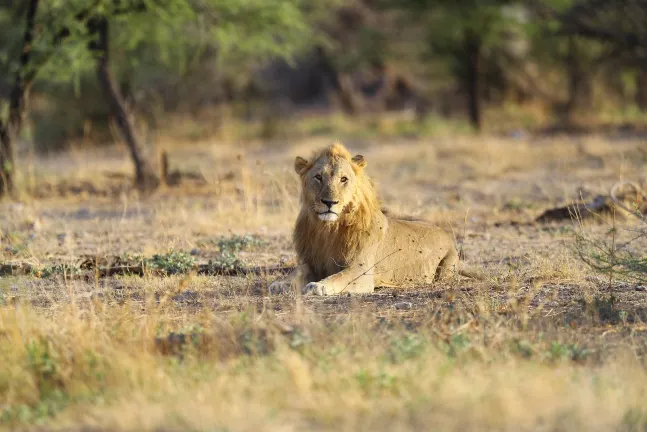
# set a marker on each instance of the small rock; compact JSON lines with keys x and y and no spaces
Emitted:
{"x":641,"y":288}
{"x":403,"y":305}
{"x":195,"y":252}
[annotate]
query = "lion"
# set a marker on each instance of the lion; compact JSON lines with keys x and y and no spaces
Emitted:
{"x":345,"y":242}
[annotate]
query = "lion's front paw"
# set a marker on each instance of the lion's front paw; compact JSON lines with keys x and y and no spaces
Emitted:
{"x":315,"y":288}
{"x":280,"y":287}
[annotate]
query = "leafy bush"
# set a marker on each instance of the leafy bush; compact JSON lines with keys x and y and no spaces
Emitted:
{"x":172,"y":262}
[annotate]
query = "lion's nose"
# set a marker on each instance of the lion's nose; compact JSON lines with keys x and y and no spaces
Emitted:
{"x":329,"y":203}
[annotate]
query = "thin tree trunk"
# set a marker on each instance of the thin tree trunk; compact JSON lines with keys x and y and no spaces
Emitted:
{"x":580,"y":88}
{"x":574,"y":76}
{"x":145,"y":176}
{"x":7,"y":163}
{"x":10,"y":130}
{"x":641,"y":90}
{"x":473,"y":79}
{"x":340,"y":83}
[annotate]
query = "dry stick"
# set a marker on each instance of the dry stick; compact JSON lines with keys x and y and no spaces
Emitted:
{"x":612,"y":248}
{"x":460,"y":251}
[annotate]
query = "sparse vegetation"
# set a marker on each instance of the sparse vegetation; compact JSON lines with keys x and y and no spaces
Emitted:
{"x":619,"y":252}
{"x":542,"y":342}
{"x":172,"y":262}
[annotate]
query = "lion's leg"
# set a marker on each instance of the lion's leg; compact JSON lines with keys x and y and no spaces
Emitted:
{"x":297,"y":278}
{"x":355,"y":279}
{"x":448,"y":266}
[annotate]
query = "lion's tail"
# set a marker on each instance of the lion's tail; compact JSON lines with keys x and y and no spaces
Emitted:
{"x":472,"y":273}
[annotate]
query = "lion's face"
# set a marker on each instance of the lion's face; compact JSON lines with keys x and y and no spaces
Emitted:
{"x":329,"y":184}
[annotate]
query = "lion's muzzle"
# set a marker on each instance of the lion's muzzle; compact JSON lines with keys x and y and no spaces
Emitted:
{"x":329,"y":214}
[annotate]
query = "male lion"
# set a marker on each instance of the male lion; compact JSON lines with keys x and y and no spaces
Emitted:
{"x":345,"y":243}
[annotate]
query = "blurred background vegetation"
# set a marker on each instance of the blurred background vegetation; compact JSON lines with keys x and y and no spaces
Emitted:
{"x":81,"y":73}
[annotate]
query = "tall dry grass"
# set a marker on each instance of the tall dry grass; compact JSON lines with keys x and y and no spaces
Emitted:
{"x":98,"y":365}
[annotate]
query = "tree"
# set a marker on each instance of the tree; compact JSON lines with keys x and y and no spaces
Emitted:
{"x":98,"y":27}
{"x":61,"y":36}
{"x":463,"y":34}
{"x":11,"y":126}
{"x":599,"y":33}
{"x":621,"y":26}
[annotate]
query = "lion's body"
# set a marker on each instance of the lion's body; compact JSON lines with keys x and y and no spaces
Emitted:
{"x":348,"y":244}
{"x":413,"y":253}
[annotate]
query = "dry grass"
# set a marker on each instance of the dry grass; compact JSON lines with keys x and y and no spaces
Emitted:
{"x":541,"y":344}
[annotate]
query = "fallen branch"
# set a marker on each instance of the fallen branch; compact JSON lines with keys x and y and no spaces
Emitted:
{"x":23,"y":269}
{"x":601,"y":204}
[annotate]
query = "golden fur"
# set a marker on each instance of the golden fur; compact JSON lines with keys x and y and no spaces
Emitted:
{"x":343,"y":240}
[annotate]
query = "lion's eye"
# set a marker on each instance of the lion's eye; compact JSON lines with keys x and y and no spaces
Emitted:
{"x":344,"y":179}
{"x":318,"y":177}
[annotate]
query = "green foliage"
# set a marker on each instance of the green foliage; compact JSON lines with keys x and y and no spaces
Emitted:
{"x":57,"y":269}
{"x":44,"y":365}
{"x":457,"y":343}
{"x":226,"y":261}
{"x":373,"y":382}
{"x":237,"y":36}
{"x":523,"y":348}
{"x":559,"y":351}
{"x":147,"y":31}
{"x":450,"y":24}
{"x":173,"y":262}
{"x":229,"y":247}
{"x":406,"y":347}
{"x":47,"y":364}
{"x":237,"y":243}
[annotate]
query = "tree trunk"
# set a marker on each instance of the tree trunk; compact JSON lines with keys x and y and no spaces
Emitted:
{"x":473,"y":79}
{"x":7,"y":163}
{"x":641,"y":90}
{"x":145,"y":176}
{"x":10,"y":130}
{"x":573,"y":72}
{"x":340,"y":83}
{"x":580,"y":87}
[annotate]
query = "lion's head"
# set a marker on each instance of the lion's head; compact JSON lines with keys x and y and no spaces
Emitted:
{"x":335,"y":188}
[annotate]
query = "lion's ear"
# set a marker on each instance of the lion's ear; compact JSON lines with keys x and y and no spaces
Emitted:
{"x":301,"y":165}
{"x":359,"y":161}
